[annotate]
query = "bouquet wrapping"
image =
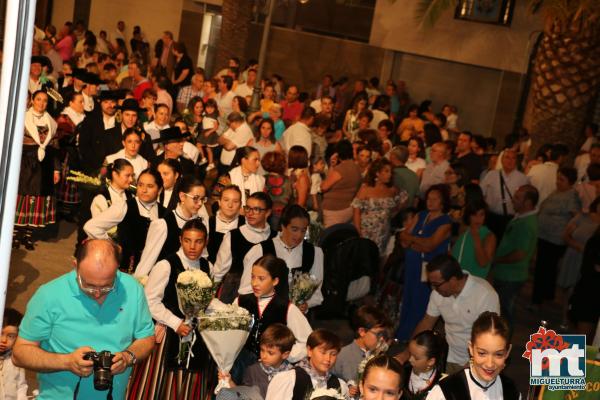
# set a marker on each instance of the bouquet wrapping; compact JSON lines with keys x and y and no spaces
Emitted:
{"x":194,"y":293}
{"x":225,"y":329}
{"x":303,"y":287}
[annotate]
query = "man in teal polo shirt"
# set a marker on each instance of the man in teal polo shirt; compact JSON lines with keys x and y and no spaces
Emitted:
{"x":516,"y":250}
{"x":93,"y":308}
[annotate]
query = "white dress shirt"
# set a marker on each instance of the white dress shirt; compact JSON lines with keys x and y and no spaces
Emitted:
{"x":155,"y":289}
{"x":157,"y":234}
{"x":292,"y":258}
{"x":109,"y":121}
{"x":223,"y":226}
{"x":244,"y":90}
{"x":224,"y":102}
{"x":298,"y":134}
{"x":224,"y":259}
{"x":13,"y":385}
{"x":251,"y":183}
{"x":98,"y":226}
{"x":88,"y":102}
{"x":460,"y":312}
{"x":239,"y":137}
{"x":297,"y":323}
{"x":100,"y":204}
{"x":282,"y":386}
{"x":167,"y":193}
{"x":139,"y":163}
{"x":543,"y":177}
{"x":476,"y":393}
{"x":490,"y":185}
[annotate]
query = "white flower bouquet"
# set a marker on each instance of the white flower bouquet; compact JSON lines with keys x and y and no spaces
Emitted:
{"x":324,"y":393}
{"x":194,"y":293}
{"x":302,"y":288}
{"x":225,"y":329}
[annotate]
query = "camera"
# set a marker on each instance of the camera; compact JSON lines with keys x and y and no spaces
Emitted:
{"x":102,"y":363}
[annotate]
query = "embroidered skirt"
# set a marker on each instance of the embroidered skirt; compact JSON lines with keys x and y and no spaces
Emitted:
{"x":152,"y":380}
{"x":35,"y":211}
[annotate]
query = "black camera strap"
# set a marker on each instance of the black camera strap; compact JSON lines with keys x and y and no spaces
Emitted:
{"x":76,"y":392}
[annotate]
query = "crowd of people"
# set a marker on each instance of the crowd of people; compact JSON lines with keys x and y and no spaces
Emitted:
{"x":181,"y":173}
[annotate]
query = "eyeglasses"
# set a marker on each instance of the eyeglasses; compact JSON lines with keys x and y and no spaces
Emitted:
{"x":93,"y":291}
{"x":255,"y":210}
{"x":197,"y":198}
{"x":436,"y":285}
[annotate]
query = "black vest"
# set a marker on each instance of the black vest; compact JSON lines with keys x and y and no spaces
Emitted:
{"x":231,"y":281}
{"x":216,"y":238}
{"x":275,"y":312}
{"x":131,"y":234}
{"x":172,"y":201}
{"x":198,"y":362}
{"x":456,"y":387}
{"x":308,"y":255}
{"x":304,"y":387}
{"x":171,"y":244}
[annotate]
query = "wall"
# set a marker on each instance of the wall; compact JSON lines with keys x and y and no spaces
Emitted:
{"x":303,"y":58}
{"x":153,"y":16}
{"x":486,"y":98}
{"x":506,"y":48}
{"x":62,"y":11}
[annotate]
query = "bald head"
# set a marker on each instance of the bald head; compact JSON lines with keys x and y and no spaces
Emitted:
{"x":100,"y":253}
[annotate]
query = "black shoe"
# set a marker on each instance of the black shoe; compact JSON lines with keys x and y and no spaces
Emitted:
{"x":28,"y":243}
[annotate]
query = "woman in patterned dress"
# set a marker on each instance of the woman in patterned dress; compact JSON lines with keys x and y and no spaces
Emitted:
{"x":375,"y":203}
{"x":40,"y":171}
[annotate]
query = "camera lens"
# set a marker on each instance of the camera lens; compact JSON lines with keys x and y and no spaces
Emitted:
{"x":102,"y":379}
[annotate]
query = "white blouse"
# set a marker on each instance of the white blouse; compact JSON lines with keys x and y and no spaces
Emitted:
{"x":157,"y":235}
{"x":98,"y":226}
{"x":247,"y":184}
{"x":139,"y":163}
{"x":100,"y":204}
{"x":224,"y":258}
{"x":292,"y":258}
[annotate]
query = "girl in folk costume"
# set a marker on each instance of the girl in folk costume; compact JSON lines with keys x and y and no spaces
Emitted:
{"x":270,"y":304}
{"x":322,"y":347}
{"x":132,"y":219}
{"x":382,"y":379}
{"x":160,"y":122}
{"x":244,"y":174}
{"x":229,"y":264}
{"x":425,"y":365}
{"x":66,"y":132}
{"x":225,"y":219}
{"x":489,"y":348}
{"x":117,"y":191}
{"x":132,"y":141}
{"x":298,"y":254}
{"x":163,"y":233}
{"x":170,"y":170}
{"x":162,"y":376}
{"x":40,"y":171}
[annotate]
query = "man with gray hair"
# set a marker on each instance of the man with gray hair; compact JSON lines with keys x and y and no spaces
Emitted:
{"x":93,"y":308}
{"x":403,"y":177}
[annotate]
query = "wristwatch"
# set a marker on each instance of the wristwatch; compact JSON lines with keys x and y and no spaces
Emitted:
{"x":133,"y":357}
